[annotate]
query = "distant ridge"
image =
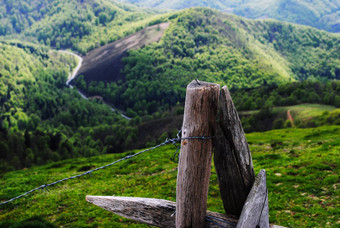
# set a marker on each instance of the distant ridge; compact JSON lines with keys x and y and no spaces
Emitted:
{"x":319,"y":14}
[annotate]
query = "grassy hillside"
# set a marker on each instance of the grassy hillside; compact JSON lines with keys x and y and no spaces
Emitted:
{"x":319,"y":14}
{"x":301,"y":111}
{"x":217,"y":47}
{"x":79,"y":24}
{"x":302,"y":116}
{"x":302,"y":176}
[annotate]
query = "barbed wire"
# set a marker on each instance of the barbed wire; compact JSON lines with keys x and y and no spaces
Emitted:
{"x":167,"y":141}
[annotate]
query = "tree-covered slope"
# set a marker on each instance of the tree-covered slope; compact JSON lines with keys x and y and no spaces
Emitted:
{"x":323,"y":14}
{"x":79,"y":24}
{"x":41,"y":120}
{"x":222,"y":48}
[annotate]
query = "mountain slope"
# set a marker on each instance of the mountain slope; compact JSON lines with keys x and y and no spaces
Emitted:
{"x":323,"y":14}
{"x":222,"y":48}
{"x":78,"y":24}
{"x":41,"y":120}
{"x":104,"y":63}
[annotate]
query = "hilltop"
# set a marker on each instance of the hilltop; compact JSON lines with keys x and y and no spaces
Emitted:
{"x":319,"y":14}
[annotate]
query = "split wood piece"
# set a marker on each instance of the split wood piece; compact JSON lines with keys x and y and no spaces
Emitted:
{"x":195,"y":157}
{"x":232,"y":157}
{"x":255,"y":212}
{"x":155,"y":212}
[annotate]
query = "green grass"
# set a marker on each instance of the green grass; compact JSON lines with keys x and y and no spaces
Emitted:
{"x":300,"y":112}
{"x":307,"y":111}
{"x":302,"y":176}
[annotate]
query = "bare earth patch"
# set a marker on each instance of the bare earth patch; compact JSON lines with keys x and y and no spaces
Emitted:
{"x":104,"y":63}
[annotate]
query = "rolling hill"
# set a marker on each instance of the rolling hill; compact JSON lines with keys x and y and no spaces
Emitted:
{"x":323,"y":14}
{"x":218,"y":47}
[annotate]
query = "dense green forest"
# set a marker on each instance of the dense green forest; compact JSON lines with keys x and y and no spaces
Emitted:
{"x":217,"y":47}
{"x":319,"y":14}
{"x":79,"y":24}
{"x":42,"y":120}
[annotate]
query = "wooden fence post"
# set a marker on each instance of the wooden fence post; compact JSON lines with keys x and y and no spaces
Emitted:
{"x":255,"y":211}
{"x":196,"y":154}
{"x":232,"y":157}
{"x":233,"y":165}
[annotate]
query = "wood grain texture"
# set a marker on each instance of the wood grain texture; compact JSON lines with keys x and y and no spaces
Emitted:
{"x":232,"y":156}
{"x":155,"y":212}
{"x":195,"y":157}
{"x":255,"y":210}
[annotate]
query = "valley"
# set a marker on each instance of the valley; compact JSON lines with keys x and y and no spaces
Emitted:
{"x":86,"y":82}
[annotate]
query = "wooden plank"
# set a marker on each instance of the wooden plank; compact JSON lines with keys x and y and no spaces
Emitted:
{"x":232,"y":156}
{"x":155,"y":212}
{"x":195,"y":157}
{"x":255,"y":212}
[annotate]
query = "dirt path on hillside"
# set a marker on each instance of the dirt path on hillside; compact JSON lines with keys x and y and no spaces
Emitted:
{"x":290,"y":118}
{"x":73,"y":74}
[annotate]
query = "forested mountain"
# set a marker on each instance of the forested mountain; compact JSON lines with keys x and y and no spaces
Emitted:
{"x":323,"y":14}
{"x":218,"y":47}
{"x":78,"y":24}
{"x":42,"y":120}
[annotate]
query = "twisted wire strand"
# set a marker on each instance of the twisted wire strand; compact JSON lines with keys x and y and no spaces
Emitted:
{"x":167,"y":141}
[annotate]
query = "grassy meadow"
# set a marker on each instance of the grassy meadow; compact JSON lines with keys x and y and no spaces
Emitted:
{"x":302,"y":177}
{"x":300,"y":111}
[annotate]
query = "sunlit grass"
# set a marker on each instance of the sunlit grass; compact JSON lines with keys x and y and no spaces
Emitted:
{"x":302,"y":176}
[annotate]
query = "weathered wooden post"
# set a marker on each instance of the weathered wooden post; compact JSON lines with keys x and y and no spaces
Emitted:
{"x":255,"y":211}
{"x":232,"y":157}
{"x":195,"y":158}
{"x":233,"y":164}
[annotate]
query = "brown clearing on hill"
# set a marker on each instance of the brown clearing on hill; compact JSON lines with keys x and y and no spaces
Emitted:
{"x":105,"y":63}
{"x":290,"y":118}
